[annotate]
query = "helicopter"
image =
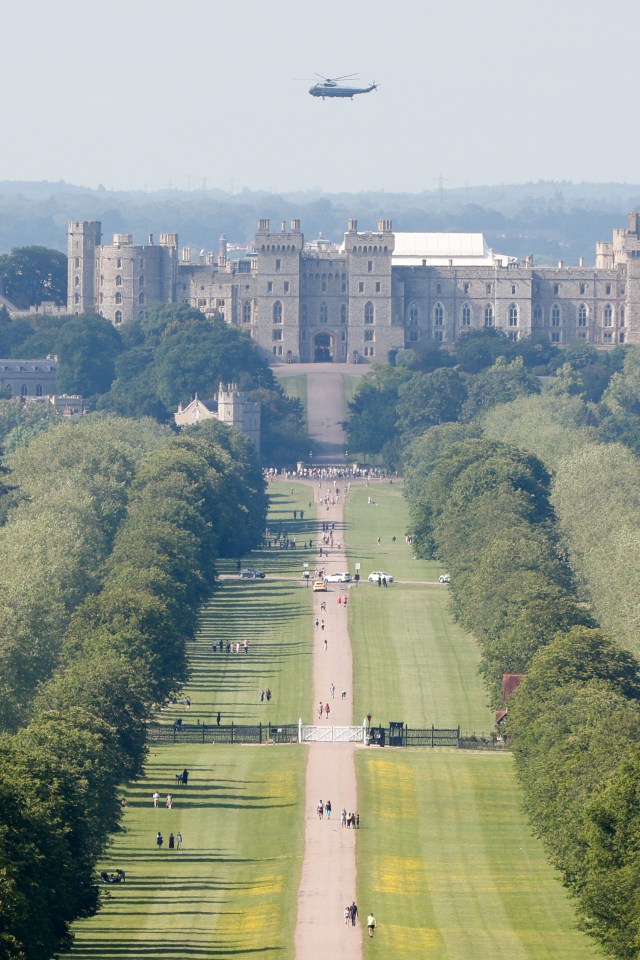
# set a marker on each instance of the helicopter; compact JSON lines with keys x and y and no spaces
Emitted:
{"x":331,"y":87}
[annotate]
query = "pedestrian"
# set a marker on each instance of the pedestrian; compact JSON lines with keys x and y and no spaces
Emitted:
{"x":371,"y":924}
{"x":353,"y":911}
{"x":344,"y":602}
{"x":322,"y":624}
{"x":384,"y":581}
{"x":172,"y":841}
{"x":262,"y":696}
{"x":169,"y":802}
{"x":325,"y":643}
{"x":320,"y":809}
{"x":185,"y":777}
{"x":159,"y":840}
{"x":156,"y":799}
{"x":179,"y":840}
{"x":343,"y":816}
{"x":332,"y":689}
{"x":327,"y":807}
{"x":320,"y":709}
{"x":347,"y":916}
{"x":317,"y":623}
{"x":323,"y":607}
{"x":339,"y":601}
{"x":268,"y":694}
{"x":218,"y":718}
{"x":326,"y":710}
{"x":344,"y":694}
{"x":246,"y":646}
{"x":357,"y":821}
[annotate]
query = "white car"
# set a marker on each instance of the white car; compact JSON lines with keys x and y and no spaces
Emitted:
{"x":445,"y":578}
{"x":338,"y":578}
{"x":379,"y":575}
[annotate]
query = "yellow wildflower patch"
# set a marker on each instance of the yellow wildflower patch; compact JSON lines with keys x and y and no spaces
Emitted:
{"x":409,"y":941}
{"x":403,"y":875}
{"x":393,"y":783}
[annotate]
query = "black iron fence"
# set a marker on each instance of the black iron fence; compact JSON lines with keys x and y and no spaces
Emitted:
{"x":394,"y":735}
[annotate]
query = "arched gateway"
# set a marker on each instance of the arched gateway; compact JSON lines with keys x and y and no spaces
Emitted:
{"x":323,"y":348}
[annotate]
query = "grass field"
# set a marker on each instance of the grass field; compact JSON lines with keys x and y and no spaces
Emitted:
{"x":447,"y":862}
{"x":295,"y":387}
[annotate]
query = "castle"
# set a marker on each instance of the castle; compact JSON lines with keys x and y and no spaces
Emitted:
{"x":234,"y":409}
{"x":377,"y":291}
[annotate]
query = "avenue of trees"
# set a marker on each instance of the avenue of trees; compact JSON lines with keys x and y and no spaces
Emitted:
{"x":112,"y":532}
{"x":534,"y":508}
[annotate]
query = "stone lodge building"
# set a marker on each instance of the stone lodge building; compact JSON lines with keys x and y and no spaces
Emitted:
{"x":376,"y":291}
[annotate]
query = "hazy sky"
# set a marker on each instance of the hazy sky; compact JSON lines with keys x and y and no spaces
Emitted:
{"x":147,"y":93}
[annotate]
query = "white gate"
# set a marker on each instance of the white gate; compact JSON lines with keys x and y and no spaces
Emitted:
{"x":331,"y":734}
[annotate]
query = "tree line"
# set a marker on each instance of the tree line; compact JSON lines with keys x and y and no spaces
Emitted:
{"x":534,"y":509}
{"x":152,"y":513}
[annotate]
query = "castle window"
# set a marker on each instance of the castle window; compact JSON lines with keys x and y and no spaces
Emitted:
{"x":583,"y":289}
{"x":555,"y":315}
{"x":77,"y":261}
{"x":220,"y":302}
{"x":413,"y":336}
{"x":556,"y":289}
{"x":324,"y":313}
{"x":607,"y":289}
{"x":118,"y":318}
{"x":324,"y":286}
{"x":269,"y":286}
{"x":276,"y":334}
{"x":466,"y":287}
{"x":24,"y":390}
{"x":39,"y":390}
{"x":278,"y":264}
{"x":378,"y":286}
{"x":438,"y":335}
{"x":286,"y":286}
{"x":438,"y":314}
{"x":369,"y":335}
{"x":277,"y":351}
{"x":513,"y":335}
{"x":368,"y":312}
{"x":512,"y":315}
{"x":141,"y":280}
{"x":102,"y":280}
{"x":466,"y":315}
{"x":488,"y":315}
{"x":621,"y":316}
{"x":76,"y":298}
{"x":513,"y":289}
{"x":606,"y":337}
{"x":583,"y":315}
{"x":621,"y":337}
{"x":555,"y":336}
{"x":246,"y":311}
{"x":607,"y":315}
{"x":369,"y":352}
{"x":202,"y":303}
{"x":118,"y":297}
{"x":277,"y":312}
{"x":76,"y":282}
{"x":488,"y":288}
{"x":438,"y":288}
{"x":414,"y":314}
{"x":343,"y":288}
{"x":118,"y":281}
{"x":141,"y":298}
{"x":369,"y":266}
{"x":538,"y":315}
{"x":361,"y":287}
{"x":343,"y":313}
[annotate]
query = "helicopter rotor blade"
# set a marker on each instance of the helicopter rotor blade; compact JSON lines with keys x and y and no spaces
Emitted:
{"x":347,"y":76}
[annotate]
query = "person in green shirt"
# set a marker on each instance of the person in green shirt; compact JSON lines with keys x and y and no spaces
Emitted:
{"x":371,"y":923}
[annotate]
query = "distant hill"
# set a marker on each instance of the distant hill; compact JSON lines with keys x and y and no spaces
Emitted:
{"x":552,"y":220}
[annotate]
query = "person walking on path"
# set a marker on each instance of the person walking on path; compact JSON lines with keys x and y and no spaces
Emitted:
{"x":179,"y":840}
{"x":353,"y":911}
{"x":172,"y":841}
{"x":347,"y":916}
{"x":156,"y":799}
{"x":332,"y":689}
{"x":371,"y":924}
{"x":320,"y":809}
{"x":159,"y":840}
{"x":327,"y":709}
{"x":325,"y":643}
{"x":169,"y":802}
{"x":327,"y":807}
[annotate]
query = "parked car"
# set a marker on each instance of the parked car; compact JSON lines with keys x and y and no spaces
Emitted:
{"x":319,"y":586}
{"x":250,"y":573}
{"x":445,"y":578}
{"x":339,"y":578}
{"x":379,"y":575}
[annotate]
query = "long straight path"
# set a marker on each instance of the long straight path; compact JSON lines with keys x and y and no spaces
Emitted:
{"x":328,"y":878}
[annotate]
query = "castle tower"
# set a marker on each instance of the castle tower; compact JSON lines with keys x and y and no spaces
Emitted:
{"x":237,"y":411}
{"x":278,"y":289}
{"x":83,"y":238}
{"x":371,"y":334}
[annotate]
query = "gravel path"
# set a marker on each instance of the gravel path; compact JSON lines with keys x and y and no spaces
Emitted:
{"x":328,"y":880}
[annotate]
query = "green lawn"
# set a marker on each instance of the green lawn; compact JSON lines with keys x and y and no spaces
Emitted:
{"x":295,"y":387}
{"x":447,"y":863}
{"x":229,"y":890}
